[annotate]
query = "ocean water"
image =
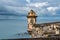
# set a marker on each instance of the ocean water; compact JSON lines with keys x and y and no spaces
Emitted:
{"x":10,"y":27}
{"x":17,"y":28}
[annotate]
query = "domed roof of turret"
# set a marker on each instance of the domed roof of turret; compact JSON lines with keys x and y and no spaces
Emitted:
{"x":31,"y":13}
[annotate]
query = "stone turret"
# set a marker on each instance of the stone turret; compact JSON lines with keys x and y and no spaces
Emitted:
{"x":31,"y":19}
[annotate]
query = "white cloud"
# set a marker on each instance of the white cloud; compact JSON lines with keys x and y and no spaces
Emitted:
{"x":7,"y":1}
{"x":39,"y":7}
{"x":28,"y":1}
{"x":38,"y":4}
{"x":52,"y":9}
{"x":13,"y":6}
{"x":17,"y":9}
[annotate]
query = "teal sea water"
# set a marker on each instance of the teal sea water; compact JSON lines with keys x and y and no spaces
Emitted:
{"x":10,"y":27}
{"x":17,"y":28}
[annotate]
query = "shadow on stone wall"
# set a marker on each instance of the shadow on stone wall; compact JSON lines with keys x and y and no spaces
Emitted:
{"x":50,"y":38}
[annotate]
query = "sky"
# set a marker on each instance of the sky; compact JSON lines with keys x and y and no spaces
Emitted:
{"x":13,"y":9}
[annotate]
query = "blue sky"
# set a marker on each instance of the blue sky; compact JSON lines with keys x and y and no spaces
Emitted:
{"x":44,"y":8}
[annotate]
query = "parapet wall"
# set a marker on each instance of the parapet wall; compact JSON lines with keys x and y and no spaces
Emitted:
{"x":54,"y":38}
